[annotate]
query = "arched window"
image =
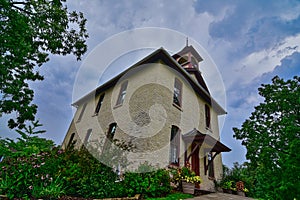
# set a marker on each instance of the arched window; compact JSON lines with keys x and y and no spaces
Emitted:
{"x":111,"y":131}
{"x":174,"y":146}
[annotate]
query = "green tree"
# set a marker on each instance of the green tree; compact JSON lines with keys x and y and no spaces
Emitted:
{"x":272,"y":138}
{"x":30,"y":31}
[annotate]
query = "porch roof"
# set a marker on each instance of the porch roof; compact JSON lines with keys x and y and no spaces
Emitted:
{"x":196,"y":136}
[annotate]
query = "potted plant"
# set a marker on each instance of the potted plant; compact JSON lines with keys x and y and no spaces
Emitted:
{"x":227,"y":187}
{"x":187,"y":179}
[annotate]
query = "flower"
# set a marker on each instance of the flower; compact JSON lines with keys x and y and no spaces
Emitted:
{"x":186,"y":174}
{"x":193,"y":179}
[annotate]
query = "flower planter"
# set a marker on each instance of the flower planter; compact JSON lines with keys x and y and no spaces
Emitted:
{"x":241,"y":193}
{"x":188,"y":188}
{"x":229,"y":191}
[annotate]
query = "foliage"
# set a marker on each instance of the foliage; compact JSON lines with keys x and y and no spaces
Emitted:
{"x":271,"y":136}
{"x":228,"y":185}
{"x":239,"y":172}
{"x":27,"y":144}
{"x":149,"y":183}
{"x":31,"y":176}
{"x":34,"y":167}
{"x":87,"y":177}
{"x":30,"y":31}
{"x":173,"y":196}
{"x":185,"y":174}
{"x":115,"y":153}
{"x":42,"y":170}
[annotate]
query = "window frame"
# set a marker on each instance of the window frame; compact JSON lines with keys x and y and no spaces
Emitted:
{"x":207,"y":117}
{"x":177,"y":93}
{"x":111,"y":131}
{"x":81,"y":112}
{"x":87,"y":136}
{"x":174,"y":146}
{"x":122,"y":93}
{"x":71,"y":140}
{"x":209,"y":169}
{"x":99,"y":104}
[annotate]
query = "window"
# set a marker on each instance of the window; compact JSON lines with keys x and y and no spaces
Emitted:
{"x":207,"y":116}
{"x":177,"y":93}
{"x":111,"y":131}
{"x":82,"y":111}
{"x":109,"y":138}
{"x":174,"y":146}
{"x":99,"y":104}
{"x":194,"y":62}
{"x":87,"y":137}
{"x":122,"y":93}
{"x":183,"y":60}
{"x":211,"y":165}
{"x":71,"y":140}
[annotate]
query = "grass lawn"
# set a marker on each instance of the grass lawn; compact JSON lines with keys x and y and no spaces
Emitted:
{"x":174,"y":196}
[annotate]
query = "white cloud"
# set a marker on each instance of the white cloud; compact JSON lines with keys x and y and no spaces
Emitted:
{"x":264,"y":61}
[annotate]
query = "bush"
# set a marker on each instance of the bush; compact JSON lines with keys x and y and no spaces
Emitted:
{"x":150,"y":183}
{"x":34,"y":168}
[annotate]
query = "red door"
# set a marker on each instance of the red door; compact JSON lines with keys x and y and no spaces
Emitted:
{"x":195,"y":160}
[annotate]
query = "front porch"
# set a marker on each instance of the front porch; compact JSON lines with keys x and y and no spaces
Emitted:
{"x":203,"y":153}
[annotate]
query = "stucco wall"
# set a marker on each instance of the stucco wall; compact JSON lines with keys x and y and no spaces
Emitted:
{"x":146,"y":116}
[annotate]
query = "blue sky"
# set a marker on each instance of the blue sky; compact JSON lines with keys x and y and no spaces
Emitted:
{"x":250,"y":42}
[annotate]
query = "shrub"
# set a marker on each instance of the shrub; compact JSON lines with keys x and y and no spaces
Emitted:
{"x":150,"y":182}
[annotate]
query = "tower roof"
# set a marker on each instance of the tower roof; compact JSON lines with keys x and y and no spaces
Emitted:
{"x":187,"y":49}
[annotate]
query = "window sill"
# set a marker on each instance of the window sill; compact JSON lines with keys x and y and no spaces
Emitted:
{"x":209,"y":129}
{"x":117,"y":106}
{"x":177,"y":106}
{"x":173,"y":166}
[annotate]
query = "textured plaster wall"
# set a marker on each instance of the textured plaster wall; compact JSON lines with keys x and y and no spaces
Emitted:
{"x":146,"y":116}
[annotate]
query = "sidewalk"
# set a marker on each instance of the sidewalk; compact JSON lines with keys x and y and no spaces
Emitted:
{"x":219,"y":196}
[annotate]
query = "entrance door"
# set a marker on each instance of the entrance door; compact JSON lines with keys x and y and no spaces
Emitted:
{"x":195,"y":160}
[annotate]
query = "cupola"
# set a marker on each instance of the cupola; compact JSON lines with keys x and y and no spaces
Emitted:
{"x":188,"y":57}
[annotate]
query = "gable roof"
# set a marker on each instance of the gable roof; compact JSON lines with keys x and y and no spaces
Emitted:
{"x":187,"y":49}
{"x":159,"y":55}
{"x":196,"y":135}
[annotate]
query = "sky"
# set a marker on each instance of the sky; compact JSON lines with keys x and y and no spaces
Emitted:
{"x":250,"y":42}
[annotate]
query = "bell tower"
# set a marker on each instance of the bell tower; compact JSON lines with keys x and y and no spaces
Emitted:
{"x":189,"y":59}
